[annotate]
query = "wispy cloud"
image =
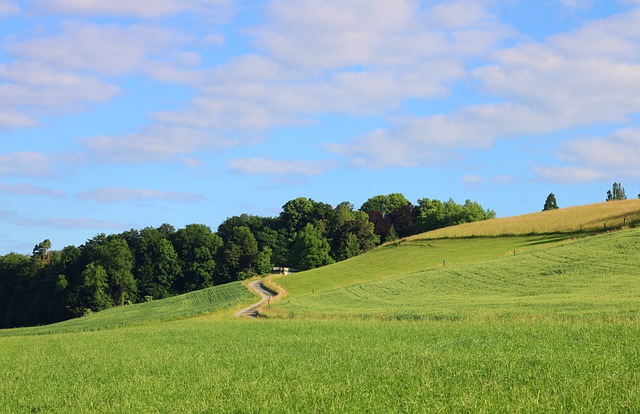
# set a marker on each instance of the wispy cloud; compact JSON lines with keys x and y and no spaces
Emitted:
{"x":39,"y":90}
{"x":72,"y":223}
{"x":267,"y":166}
{"x":115,"y":195}
{"x":8,"y":7}
{"x":26,"y":164}
{"x":160,"y":143}
{"x":146,"y":9}
{"x":614,"y":156}
{"x":34,"y":164}
{"x":576,"y":79}
{"x":104,"y":49}
{"x":30,"y":189}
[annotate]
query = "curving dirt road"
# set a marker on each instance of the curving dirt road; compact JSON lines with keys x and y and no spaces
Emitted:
{"x":266,"y":294}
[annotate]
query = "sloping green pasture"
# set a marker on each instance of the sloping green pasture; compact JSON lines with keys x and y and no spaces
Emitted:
{"x":178,"y":307}
{"x":409,"y":256}
{"x":595,"y":277}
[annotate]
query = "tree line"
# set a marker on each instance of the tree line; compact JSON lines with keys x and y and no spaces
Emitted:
{"x":153,"y":263}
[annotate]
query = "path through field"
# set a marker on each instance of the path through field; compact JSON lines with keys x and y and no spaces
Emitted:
{"x":266,"y":294}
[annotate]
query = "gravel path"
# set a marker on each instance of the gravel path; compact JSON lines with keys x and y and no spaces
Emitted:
{"x":252,"y":311}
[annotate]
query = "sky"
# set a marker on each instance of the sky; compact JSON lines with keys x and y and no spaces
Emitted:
{"x":120,"y":115}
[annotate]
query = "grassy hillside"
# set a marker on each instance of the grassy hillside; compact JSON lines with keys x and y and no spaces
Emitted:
{"x":523,"y":323}
{"x":597,"y":276}
{"x":178,"y":307}
{"x":541,"y":265}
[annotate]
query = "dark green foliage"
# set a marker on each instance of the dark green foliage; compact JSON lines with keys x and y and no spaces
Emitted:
{"x":550,"y":203}
{"x":435,"y":214}
{"x":310,"y":249}
{"x":617,"y":193}
{"x":240,"y":254}
{"x":196,"y":246}
{"x":95,"y":288}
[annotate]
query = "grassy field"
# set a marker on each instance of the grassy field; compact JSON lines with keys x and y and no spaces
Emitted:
{"x":223,"y":297}
{"x":532,"y":322}
{"x":592,"y":277}
{"x":296,"y":366}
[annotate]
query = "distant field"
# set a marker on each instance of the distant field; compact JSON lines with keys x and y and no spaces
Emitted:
{"x":597,"y":276}
{"x":178,"y":307}
{"x":589,"y":218}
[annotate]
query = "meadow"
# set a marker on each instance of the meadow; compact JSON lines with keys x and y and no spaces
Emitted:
{"x":295,"y":366}
{"x":589,"y":277}
{"x":527,"y":322}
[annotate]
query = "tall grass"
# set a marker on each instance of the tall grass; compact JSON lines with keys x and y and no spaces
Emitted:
{"x":330,"y":367}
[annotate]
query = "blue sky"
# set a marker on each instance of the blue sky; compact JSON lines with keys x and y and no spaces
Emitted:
{"x":119,"y":115}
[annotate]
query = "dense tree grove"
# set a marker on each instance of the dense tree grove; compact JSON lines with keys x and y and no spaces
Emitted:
{"x":154,"y":263}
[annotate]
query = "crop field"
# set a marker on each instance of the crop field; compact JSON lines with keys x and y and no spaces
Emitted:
{"x":590,"y":277}
{"x":191,"y":304}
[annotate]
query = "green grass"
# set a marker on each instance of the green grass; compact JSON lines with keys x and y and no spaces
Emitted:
{"x":407,"y":257}
{"x":191,"y":304}
{"x":298,"y":366}
{"x":595,"y":277}
{"x":525,"y":323}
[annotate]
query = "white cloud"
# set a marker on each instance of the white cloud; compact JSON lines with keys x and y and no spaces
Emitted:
{"x":107,"y":49}
{"x":473,"y":180}
{"x":580,"y":78}
{"x":568,"y":174}
{"x":147,"y":9}
{"x":30,"y":189}
{"x":155,"y":144}
{"x":115,"y":195}
{"x":614,"y":156}
{"x":8,"y":8}
{"x":26,"y":164}
{"x":36,"y":89}
{"x":72,"y":223}
{"x":260,"y":165}
{"x":576,"y":4}
{"x":10,"y":119}
{"x":333,"y":34}
{"x":356,"y":58}
{"x":35,"y":164}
